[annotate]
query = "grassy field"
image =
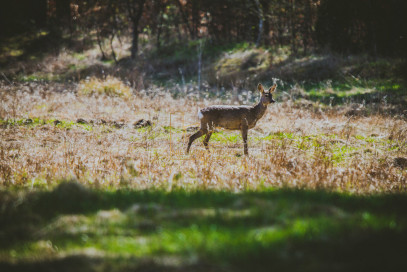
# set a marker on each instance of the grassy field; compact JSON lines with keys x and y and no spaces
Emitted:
{"x":94,"y":175}
{"x":322,"y":189}
{"x":296,"y":144}
{"x":76,"y":229}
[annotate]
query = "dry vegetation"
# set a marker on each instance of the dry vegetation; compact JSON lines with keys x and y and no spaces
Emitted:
{"x":93,"y":170}
{"x":296,"y":144}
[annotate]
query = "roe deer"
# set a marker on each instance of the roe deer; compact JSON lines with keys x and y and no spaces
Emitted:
{"x":232,"y":117}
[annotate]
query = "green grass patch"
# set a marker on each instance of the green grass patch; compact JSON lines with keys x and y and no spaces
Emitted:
{"x":278,"y":135}
{"x":339,"y":152}
{"x":33,"y":122}
{"x":226,"y":137}
{"x":79,"y":56}
{"x":335,"y":92}
{"x":225,"y":229}
{"x":331,"y":147}
{"x":39,"y":77}
{"x":172,"y":129}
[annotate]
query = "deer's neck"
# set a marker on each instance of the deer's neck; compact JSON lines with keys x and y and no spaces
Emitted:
{"x":259,"y":110}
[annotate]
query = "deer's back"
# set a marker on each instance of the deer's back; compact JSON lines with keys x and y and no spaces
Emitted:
{"x":229,"y":117}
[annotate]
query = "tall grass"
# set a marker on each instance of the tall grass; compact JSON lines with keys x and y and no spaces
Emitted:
{"x":294,"y":145}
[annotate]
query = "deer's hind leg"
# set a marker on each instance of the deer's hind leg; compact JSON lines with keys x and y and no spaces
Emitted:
{"x":193,"y":137}
{"x":206,"y":140}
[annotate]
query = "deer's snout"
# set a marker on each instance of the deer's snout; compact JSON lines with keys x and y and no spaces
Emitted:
{"x":272,"y":100}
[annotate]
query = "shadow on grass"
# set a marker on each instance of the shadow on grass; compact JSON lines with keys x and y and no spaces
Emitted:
{"x":34,"y":47}
{"x":80,"y":263}
{"x":131,"y":230}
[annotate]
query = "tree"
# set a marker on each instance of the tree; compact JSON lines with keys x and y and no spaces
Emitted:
{"x":63,"y":13}
{"x":22,"y":15}
{"x":135,"y":11}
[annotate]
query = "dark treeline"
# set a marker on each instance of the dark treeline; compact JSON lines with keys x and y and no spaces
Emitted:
{"x":377,"y":27}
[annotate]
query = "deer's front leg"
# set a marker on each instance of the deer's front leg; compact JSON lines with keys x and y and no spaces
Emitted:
{"x":244,"y":136}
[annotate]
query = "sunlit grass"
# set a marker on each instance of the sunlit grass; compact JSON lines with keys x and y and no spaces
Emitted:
{"x":110,"y":86}
{"x":291,"y":146}
{"x":34,"y":122}
{"x":137,"y":197}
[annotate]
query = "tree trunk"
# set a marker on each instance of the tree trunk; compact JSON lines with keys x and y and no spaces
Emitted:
{"x":112,"y":48}
{"x":293,"y":28}
{"x":63,"y":11}
{"x":136,"y":10}
{"x":99,"y":41}
{"x":195,"y":18}
{"x":266,"y":32}
{"x":260,"y":14}
{"x":185,"y":18}
{"x":307,"y":26}
{"x":134,"y":42}
{"x":39,"y":12}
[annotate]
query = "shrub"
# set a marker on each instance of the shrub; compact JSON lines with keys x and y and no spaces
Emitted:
{"x":110,"y":86}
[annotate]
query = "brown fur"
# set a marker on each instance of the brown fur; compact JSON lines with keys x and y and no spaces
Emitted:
{"x":240,"y":118}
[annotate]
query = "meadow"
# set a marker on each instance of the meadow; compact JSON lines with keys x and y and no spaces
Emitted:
{"x":49,"y":135}
{"x":94,"y":174}
{"x":87,"y":186}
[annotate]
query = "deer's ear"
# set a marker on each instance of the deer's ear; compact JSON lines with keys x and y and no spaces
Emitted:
{"x":273,"y":88}
{"x":260,"y":88}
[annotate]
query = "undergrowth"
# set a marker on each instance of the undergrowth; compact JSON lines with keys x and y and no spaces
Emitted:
{"x":110,"y":86}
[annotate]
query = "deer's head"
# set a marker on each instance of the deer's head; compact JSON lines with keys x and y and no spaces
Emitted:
{"x":266,"y":96}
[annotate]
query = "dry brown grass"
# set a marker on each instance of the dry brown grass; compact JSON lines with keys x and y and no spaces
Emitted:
{"x":292,"y":146}
{"x":110,"y":86}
